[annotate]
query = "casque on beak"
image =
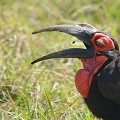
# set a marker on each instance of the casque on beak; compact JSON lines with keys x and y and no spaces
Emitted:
{"x":83,"y":32}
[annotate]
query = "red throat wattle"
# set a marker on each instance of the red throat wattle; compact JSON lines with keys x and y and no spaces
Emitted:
{"x":83,"y":77}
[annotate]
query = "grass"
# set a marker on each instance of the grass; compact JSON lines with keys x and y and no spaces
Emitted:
{"x":46,"y":90}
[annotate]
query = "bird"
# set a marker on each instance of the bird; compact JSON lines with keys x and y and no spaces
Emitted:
{"x":99,"y":79}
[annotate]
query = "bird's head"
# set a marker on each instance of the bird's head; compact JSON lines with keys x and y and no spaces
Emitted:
{"x":99,"y":47}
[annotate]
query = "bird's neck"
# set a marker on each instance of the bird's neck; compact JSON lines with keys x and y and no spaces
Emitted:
{"x":85,"y":76}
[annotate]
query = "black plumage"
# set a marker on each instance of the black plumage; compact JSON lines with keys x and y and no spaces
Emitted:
{"x":103,"y":95}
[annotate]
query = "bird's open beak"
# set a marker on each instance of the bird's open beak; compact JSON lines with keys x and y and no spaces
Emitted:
{"x":83,"y":32}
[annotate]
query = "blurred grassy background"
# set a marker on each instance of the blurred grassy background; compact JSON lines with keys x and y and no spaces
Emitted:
{"x":45,"y":91}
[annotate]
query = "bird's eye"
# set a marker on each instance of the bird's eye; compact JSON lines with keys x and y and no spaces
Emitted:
{"x":99,"y":43}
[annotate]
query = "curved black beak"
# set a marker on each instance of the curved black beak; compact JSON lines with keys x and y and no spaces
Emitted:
{"x":68,"y":53}
{"x":83,"y":32}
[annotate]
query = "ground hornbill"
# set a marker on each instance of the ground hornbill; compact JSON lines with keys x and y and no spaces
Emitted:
{"x":99,"y":80}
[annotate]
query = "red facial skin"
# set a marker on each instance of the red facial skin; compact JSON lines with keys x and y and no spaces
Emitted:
{"x":84,"y":77}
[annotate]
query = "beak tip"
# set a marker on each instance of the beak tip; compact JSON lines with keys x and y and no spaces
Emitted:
{"x":34,"y":32}
{"x":32,"y":63}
